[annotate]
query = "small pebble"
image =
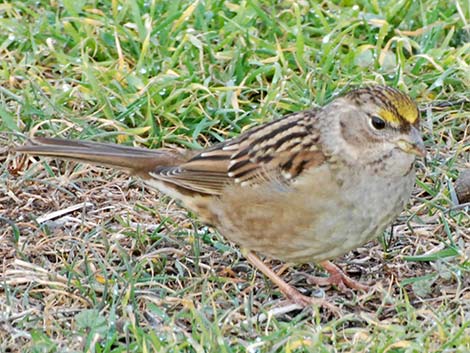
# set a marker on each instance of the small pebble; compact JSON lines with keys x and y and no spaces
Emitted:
{"x":462,"y":186}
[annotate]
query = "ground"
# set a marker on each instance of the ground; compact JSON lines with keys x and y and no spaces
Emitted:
{"x":92,"y":260}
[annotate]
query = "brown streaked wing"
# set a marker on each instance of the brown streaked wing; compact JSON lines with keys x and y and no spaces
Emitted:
{"x":279,"y":150}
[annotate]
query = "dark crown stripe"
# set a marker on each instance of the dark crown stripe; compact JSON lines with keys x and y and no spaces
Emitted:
{"x":385,"y":100}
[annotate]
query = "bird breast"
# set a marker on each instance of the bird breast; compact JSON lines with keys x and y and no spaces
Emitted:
{"x":323,"y":215}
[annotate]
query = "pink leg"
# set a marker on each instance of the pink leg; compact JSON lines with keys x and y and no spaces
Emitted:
{"x":290,"y":292}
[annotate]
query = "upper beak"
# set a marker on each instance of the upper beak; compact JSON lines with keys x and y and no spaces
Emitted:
{"x":413,"y":143}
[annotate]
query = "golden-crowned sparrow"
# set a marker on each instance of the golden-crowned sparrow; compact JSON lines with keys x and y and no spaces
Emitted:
{"x":310,"y":186}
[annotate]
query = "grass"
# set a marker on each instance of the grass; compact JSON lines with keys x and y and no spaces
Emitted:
{"x":129,"y":270}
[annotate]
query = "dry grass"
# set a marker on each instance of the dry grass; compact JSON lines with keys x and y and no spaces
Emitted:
{"x":121,"y":268}
{"x":128,"y":253}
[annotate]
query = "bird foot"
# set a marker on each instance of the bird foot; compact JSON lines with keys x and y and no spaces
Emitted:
{"x":337,"y":278}
{"x":290,"y":292}
{"x":304,"y":301}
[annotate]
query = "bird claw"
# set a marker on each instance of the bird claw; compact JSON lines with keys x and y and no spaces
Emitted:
{"x":305,"y":302}
{"x":337,"y":278}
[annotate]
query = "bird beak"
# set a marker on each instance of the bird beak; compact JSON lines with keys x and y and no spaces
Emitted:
{"x":413,"y":143}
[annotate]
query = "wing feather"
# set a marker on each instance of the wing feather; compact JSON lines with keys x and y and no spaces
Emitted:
{"x":279,"y":150}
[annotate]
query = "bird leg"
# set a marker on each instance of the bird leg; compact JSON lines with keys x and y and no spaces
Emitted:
{"x":290,"y":292}
{"x":337,"y":277}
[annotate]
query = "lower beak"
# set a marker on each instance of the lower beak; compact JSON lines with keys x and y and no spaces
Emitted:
{"x":413,"y":144}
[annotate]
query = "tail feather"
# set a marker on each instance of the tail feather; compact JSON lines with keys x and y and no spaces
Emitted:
{"x":136,"y":160}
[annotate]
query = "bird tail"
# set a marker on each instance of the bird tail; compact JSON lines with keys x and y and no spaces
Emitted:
{"x":135,"y":160}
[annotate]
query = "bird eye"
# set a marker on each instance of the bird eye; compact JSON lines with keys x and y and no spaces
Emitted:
{"x":377,"y":122}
